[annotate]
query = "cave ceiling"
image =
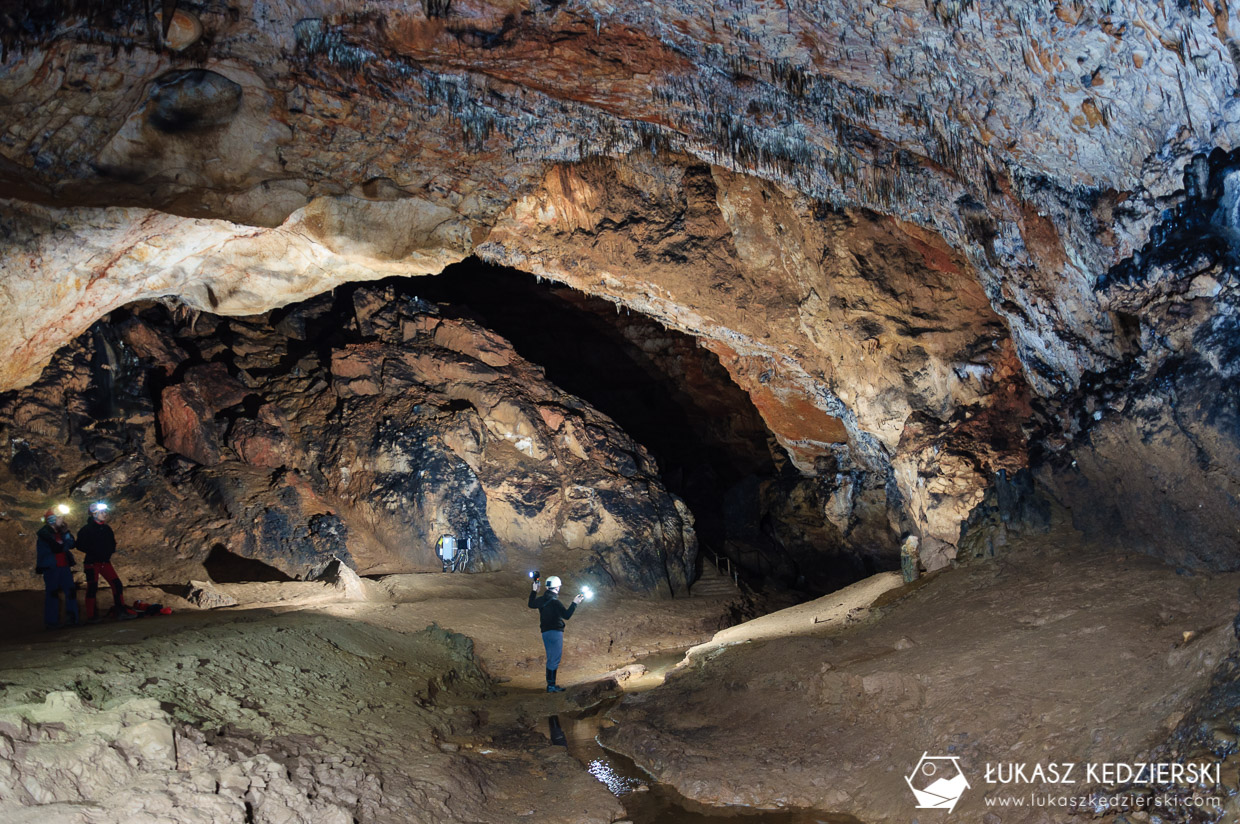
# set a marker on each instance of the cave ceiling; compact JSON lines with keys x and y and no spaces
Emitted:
{"x":891,"y":221}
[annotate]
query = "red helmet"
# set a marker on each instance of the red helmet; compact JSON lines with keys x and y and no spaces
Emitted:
{"x":57,"y":511}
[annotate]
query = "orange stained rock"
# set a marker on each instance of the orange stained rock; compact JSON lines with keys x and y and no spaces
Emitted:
{"x":786,"y":409}
{"x":795,"y":417}
{"x":1092,"y":113}
{"x":184,"y":30}
{"x":933,"y":249}
{"x":1042,"y":238}
{"x":564,"y":55}
{"x":1068,"y":12}
{"x":566,"y":201}
{"x":552,"y":417}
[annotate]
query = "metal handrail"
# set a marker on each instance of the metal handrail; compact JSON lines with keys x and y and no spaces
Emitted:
{"x":720,"y":561}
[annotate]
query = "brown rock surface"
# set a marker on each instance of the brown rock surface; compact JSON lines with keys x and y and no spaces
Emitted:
{"x":937,"y":243}
{"x":188,"y":426}
{"x":875,"y":207}
{"x":354,"y":442}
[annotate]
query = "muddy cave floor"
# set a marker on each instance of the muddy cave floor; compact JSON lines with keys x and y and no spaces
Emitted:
{"x":300,"y":705}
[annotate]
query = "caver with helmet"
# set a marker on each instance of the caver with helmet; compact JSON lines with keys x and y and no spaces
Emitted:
{"x":552,"y":615}
{"x":97,"y":542}
{"x":54,"y":561}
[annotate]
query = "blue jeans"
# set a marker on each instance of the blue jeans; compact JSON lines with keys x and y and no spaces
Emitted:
{"x":55,"y":581}
{"x":553,"y":641}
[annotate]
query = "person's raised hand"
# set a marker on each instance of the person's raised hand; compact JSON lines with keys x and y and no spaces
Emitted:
{"x":537,"y":584}
{"x":579,"y":599}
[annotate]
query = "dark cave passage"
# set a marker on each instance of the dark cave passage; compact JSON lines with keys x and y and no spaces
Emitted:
{"x":298,"y":421}
{"x":226,"y":567}
{"x":671,"y":395}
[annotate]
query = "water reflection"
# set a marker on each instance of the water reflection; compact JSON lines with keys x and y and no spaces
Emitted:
{"x":557,"y":732}
{"x":620,"y":784}
{"x":648,"y":802}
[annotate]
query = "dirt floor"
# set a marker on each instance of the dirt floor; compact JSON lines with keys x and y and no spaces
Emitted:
{"x":1044,"y":655}
{"x":299,"y":704}
{"x":419,"y":698}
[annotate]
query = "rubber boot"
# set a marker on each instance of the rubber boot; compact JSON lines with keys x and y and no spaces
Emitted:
{"x":91,"y":615}
{"x":118,"y":592}
{"x":551,"y":687}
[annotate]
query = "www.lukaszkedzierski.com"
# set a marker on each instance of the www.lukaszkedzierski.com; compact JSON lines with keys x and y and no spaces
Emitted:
{"x":1105,"y":803}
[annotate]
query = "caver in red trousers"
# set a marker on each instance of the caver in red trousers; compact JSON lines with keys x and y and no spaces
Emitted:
{"x":93,"y":571}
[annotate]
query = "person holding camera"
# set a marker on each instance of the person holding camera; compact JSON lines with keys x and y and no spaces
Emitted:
{"x":551,"y":617}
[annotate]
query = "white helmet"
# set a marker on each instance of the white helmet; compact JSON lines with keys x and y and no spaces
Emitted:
{"x":553,"y":582}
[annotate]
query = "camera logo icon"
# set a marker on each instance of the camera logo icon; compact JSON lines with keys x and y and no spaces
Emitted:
{"x":938,"y":782}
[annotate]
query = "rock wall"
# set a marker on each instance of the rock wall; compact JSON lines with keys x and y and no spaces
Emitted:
{"x":714,"y":450}
{"x":1153,"y":445}
{"x":894,"y":223}
{"x":360,"y":427}
{"x":841,"y":325}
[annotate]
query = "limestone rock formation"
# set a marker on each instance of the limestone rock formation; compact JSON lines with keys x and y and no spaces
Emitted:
{"x":355,"y":432}
{"x":214,"y":726}
{"x":667,"y":390}
{"x":1156,"y":440}
{"x":903,"y":227}
{"x":204,"y":595}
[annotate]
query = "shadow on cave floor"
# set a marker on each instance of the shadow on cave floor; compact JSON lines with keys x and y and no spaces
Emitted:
{"x":21,"y":615}
{"x":371,"y":696}
{"x":1052,"y":611}
{"x":226,"y":567}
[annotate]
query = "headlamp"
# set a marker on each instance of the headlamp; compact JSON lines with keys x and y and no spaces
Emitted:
{"x":62,"y":509}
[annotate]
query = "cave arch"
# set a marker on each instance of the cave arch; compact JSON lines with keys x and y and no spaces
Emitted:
{"x":671,"y":394}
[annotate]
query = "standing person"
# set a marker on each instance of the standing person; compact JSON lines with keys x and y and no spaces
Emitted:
{"x":97,"y":542}
{"x":551,"y":617}
{"x":54,"y":561}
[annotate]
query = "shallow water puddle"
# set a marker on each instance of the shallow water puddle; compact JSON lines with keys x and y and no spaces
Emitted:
{"x":648,"y":802}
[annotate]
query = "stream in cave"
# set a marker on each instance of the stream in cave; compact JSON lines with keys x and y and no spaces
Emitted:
{"x":648,"y":801}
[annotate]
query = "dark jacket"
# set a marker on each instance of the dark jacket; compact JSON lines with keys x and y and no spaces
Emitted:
{"x":48,"y":547}
{"x":97,"y":542}
{"x":551,"y":613}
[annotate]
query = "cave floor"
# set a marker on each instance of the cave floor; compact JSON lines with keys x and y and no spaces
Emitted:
{"x":1053,"y":653}
{"x":311,"y":707}
{"x":298,"y":705}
